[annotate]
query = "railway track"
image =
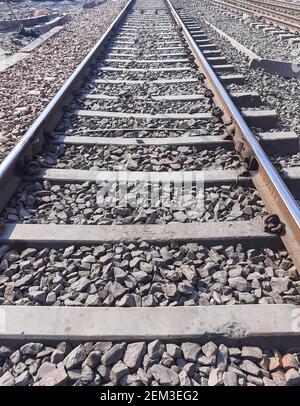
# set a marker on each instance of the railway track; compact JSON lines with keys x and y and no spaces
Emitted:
{"x":160,"y":290}
{"x":286,"y":17}
{"x":283,"y":6}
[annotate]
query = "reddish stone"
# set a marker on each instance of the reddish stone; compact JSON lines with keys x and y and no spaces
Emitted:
{"x":274,"y":364}
{"x":292,"y":377}
{"x":41,"y":12}
{"x":289,"y":361}
{"x":279,"y":378}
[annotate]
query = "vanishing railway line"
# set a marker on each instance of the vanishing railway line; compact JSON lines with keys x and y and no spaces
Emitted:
{"x":272,"y":12}
{"x":283,"y":6}
{"x":147,"y":109}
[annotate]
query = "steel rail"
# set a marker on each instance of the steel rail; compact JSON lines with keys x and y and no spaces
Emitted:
{"x":273,"y":191}
{"x":280,"y":5}
{"x":11,"y":168}
{"x":265,"y":9}
{"x":283,"y":21}
{"x":287,"y":3}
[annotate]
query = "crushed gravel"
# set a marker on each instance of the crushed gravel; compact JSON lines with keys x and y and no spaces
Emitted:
{"x":286,"y":161}
{"x":147,"y":105}
{"x":71,"y":124}
{"x":146,"y":364}
{"x":136,"y":158}
{"x":11,"y":42}
{"x":91,"y":203}
{"x":144,"y":89}
{"x":147,"y":275}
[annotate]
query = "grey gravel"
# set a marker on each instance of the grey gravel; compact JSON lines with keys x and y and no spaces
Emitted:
{"x":132,"y":105}
{"x":285,"y":161}
{"x":136,"y":158}
{"x":130,"y":275}
{"x":75,"y":358}
{"x":134,"y":354}
{"x":87,"y":204}
{"x":71,"y":124}
{"x":155,"y":367}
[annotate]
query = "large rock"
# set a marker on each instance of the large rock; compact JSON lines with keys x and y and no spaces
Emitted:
{"x":29,"y":252}
{"x":93,"y":359}
{"x":54,"y":378}
{"x":164,"y":376}
{"x":289,"y":361}
{"x":292,"y":377}
{"x":45,"y":369}
{"x":23,"y":379}
{"x":57,"y":356}
{"x":174,"y":350}
{"x":222,"y":357}
{"x":253,"y":353}
{"x":134,"y":353}
{"x":114,"y":354}
{"x":103,"y":346}
{"x":249,"y":367}
{"x":191,"y":351}
{"x":131,"y":380}
{"x":184,"y":378}
{"x":87,"y":374}
{"x":230,"y":378}
{"x":118,"y":371}
{"x":7,"y":379}
{"x":280,"y":285}
{"x":239,"y":283}
{"x":210,"y":350}
{"x":31,"y":349}
{"x":5,"y":351}
{"x":75,"y":358}
{"x":214,"y":378}
{"x":156,"y":349}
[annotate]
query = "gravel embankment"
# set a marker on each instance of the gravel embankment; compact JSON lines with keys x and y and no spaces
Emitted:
{"x":27,"y":87}
{"x":26,"y":8}
{"x":147,"y":364}
{"x":11,"y":42}
{"x":277,"y":93}
{"x":142,"y":274}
